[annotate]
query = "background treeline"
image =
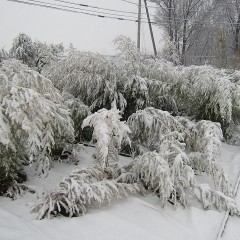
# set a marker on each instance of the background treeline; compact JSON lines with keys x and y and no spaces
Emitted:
{"x":202,"y":32}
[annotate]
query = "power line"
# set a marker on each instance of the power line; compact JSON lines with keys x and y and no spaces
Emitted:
{"x":133,"y":3}
{"x":129,"y":2}
{"x":47,"y":5}
{"x":99,"y":14}
{"x":81,"y":9}
{"x":95,"y":7}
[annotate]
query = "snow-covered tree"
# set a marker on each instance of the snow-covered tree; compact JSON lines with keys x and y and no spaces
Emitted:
{"x":129,"y":61}
{"x":23,"y":49}
{"x":153,"y":129}
{"x":129,"y":55}
{"x":35,"y":54}
{"x":91,"y":77}
{"x":212,"y":90}
{"x":169,"y":51}
{"x":168,"y":170}
{"x":3,"y":55}
{"x":200,"y":92}
{"x":109,"y":132}
{"x":45,"y":54}
{"x":33,"y":118}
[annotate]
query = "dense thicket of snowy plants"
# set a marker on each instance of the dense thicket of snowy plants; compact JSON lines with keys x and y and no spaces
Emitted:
{"x":175,"y":119}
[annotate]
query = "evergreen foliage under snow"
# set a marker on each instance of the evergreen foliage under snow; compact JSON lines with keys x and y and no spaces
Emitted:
{"x":109,"y":132}
{"x":90,"y":77}
{"x":157,"y":99}
{"x":33,"y":118}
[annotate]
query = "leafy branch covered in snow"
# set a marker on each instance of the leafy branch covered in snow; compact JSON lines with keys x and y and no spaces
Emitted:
{"x":151,"y":126}
{"x":91,"y":77}
{"x":169,"y":170}
{"x":34,"y":54}
{"x":84,"y":188}
{"x":205,"y":141}
{"x":33,"y":117}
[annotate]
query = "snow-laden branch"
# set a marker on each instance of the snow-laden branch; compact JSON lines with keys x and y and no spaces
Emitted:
{"x":84,"y":188}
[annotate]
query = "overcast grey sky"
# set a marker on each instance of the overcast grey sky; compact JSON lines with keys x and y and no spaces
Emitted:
{"x":84,"y":32}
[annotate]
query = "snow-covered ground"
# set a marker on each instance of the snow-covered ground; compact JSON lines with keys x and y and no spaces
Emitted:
{"x":140,"y":218}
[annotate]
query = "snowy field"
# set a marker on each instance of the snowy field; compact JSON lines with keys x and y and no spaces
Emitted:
{"x":140,"y":218}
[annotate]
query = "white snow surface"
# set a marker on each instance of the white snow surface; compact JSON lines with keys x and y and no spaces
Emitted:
{"x":135,"y":218}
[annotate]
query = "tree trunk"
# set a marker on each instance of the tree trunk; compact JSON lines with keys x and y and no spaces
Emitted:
{"x":237,"y":35}
{"x":184,"y":42}
{"x":170,"y":20}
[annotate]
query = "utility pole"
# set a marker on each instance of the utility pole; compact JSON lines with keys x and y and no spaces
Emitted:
{"x":139,"y":25}
{"x":150,"y":28}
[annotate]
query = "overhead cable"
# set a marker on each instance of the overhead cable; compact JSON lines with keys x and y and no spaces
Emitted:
{"x":58,"y":7}
{"x":95,"y":7}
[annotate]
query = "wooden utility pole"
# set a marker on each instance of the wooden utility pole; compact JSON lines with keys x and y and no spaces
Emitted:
{"x":150,"y":28}
{"x":139,"y":24}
